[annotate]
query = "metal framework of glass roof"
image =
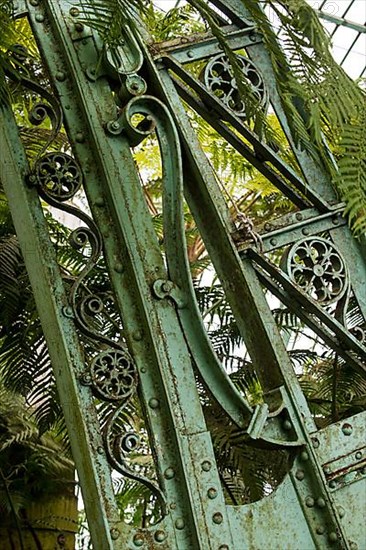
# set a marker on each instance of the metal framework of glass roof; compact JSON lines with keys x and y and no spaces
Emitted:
{"x":345,"y":20}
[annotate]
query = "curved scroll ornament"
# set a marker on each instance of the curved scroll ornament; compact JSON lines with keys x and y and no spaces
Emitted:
{"x":112,"y":374}
{"x":157,"y":117}
{"x":219,"y":78}
{"x":59,"y":176}
{"x":315,"y":265}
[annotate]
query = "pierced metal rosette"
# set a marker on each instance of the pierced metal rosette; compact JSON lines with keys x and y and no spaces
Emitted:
{"x":218,"y":77}
{"x":59,"y":176}
{"x":316,"y":266}
{"x":113,"y":375}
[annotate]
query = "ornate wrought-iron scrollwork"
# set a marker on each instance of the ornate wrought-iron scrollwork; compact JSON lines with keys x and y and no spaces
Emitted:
{"x":113,"y":375}
{"x":219,"y":78}
{"x":59,"y":176}
{"x":315,"y":265}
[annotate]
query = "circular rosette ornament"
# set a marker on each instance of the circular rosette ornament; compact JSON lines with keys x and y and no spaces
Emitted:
{"x":218,"y":77}
{"x":315,"y":265}
{"x":59,"y":176}
{"x":113,"y":375}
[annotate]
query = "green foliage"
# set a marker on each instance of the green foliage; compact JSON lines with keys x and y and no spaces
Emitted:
{"x":31,"y":465}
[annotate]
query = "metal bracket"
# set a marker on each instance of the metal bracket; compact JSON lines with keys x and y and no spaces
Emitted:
{"x":163,"y":288}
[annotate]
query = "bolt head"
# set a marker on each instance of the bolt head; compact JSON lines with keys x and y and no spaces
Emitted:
{"x":347,"y":429}
{"x":306,"y":231}
{"x":353,"y":546}
{"x":316,"y":442}
{"x":169,"y":473}
{"x":74,"y":12}
{"x":320,"y":502}
{"x":273,"y":241}
{"x":115,"y":125}
{"x":341,"y":512}
{"x":206,"y":466}
{"x":212,"y":493}
{"x":190,"y":53}
{"x":299,"y":216}
{"x":60,"y":76}
{"x":79,"y":137}
{"x":79,"y":27}
{"x":179,"y":523}
{"x":287,"y":425}
{"x":138,"y":540}
{"x":309,"y":501}
{"x":99,"y":201}
{"x":217,"y":518}
{"x":160,"y":536}
{"x":300,"y":474}
{"x":320,"y":530}
{"x":358,"y":455}
{"x":304,"y":456}
{"x":332,"y":484}
{"x":118,"y":267}
{"x":333,"y":537}
{"x":154,"y":403}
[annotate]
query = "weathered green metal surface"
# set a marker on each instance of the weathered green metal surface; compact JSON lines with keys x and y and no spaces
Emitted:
{"x":164,"y":344}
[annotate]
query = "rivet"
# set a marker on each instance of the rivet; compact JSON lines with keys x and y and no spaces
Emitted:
{"x":169,"y":473}
{"x":212,"y":493}
{"x":137,"y":335}
{"x":309,"y":501}
{"x":326,"y":469}
{"x":115,"y":533}
{"x":39,"y":17}
{"x":336,"y":219}
{"x":358,"y":455}
{"x":253,"y":36}
{"x":315,"y":442}
{"x":106,"y":234}
{"x":142,"y":369}
{"x":60,"y":76}
{"x":80,"y":137}
{"x":100,"y":450}
{"x":67,"y":107}
{"x":273,"y":241}
{"x":173,"y":506}
{"x":332,"y":484}
{"x":300,"y":474}
{"x":138,"y":540}
{"x":179,"y":523}
{"x":206,"y":466}
{"x":190,"y":53}
{"x":287,"y":425}
{"x":118,"y":267}
{"x":333,"y":536}
{"x":304,"y":456}
{"x":34,"y":2}
{"x":347,"y":429}
{"x":320,"y":530}
{"x":74,"y":12}
{"x":299,"y":216}
{"x":115,"y":125}
{"x":306,"y":231}
{"x":267,"y":226}
{"x":353,"y":546}
{"x":154,"y":403}
{"x":79,"y":27}
{"x":341,"y":512}
{"x":160,"y":536}
{"x":224,"y":547}
{"x":99,"y":201}
{"x":217,"y":518}
{"x":320,"y":502}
